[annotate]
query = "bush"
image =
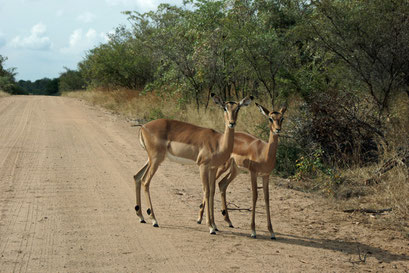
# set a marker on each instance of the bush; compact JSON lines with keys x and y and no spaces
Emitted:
{"x":70,"y":80}
{"x":344,"y":125}
{"x":7,"y":80}
{"x":288,"y":152}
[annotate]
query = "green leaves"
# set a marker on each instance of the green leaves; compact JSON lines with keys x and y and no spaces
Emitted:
{"x":122,"y":62}
{"x":271,"y":49}
{"x":7,"y":80}
{"x":70,"y":80}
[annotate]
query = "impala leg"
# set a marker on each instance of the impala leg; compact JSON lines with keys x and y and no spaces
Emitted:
{"x":204,"y":175}
{"x":202,"y":206}
{"x":146,"y":183}
{"x":223,"y":184}
{"x":219,"y":172}
{"x":212,"y":186}
{"x":138,"y":179}
{"x":267,"y":201}
{"x":253,"y":211}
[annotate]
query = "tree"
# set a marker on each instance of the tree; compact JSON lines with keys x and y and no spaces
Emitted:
{"x":167,"y":33}
{"x":122,"y":62}
{"x":70,"y":80}
{"x":371,"y":37}
{"x":7,"y":80}
{"x":262,"y":28}
{"x":52,"y":87}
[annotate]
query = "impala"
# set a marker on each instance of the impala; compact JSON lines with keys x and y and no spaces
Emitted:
{"x":256,"y":156}
{"x":187,"y":144}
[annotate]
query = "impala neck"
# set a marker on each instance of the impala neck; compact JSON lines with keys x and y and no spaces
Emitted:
{"x":227,"y":140}
{"x":271,"y":149}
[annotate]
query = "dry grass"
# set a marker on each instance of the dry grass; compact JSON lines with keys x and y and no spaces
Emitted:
{"x":3,"y":94}
{"x":145,"y":107}
{"x":391,"y":189}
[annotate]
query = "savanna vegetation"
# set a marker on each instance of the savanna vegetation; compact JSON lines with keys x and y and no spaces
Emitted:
{"x":341,"y":66}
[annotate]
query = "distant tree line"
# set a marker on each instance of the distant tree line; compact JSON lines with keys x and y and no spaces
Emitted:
{"x":67,"y":81}
{"x":43,"y":86}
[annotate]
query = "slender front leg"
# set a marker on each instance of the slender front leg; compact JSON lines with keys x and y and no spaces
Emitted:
{"x":223,"y":184}
{"x":202,"y":206}
{"x":204,"y":174}
{"x":267,"y":201}
{"x":212,"y":186}
{"x":253,"y":212}
{"x":138,"y":179}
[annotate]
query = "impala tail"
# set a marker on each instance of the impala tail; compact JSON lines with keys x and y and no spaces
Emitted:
{"x":141,"y":141}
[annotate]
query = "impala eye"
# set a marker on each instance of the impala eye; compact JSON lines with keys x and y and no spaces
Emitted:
{"x":271,"y":120}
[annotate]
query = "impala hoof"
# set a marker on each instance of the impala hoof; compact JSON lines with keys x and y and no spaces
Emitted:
{"x":231,"y":226}
{"x":199,"y":221}
{"x":155,"y":225}
{"x":213,"y":232}
{"x":142,"y":221}
{"x":254,"y":236}
{"x":273,"y":237}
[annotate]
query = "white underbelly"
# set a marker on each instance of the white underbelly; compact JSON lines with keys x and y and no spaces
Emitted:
{"x":180,"y":160}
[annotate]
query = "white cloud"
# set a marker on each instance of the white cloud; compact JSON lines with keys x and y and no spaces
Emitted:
{"x":86,"y":17}
{"x":75,"y":38}
{"x":91,"y":34}
{"x":36,"y":40}
{"x":80,"y":41}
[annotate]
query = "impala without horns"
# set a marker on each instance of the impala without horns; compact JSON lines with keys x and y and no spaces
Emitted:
{"x":187,"y":143}
{"x":256,"y":156}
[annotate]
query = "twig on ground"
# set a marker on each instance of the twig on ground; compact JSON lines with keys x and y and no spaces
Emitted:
{"x":368,"y":210}
{"x":237,"y":207}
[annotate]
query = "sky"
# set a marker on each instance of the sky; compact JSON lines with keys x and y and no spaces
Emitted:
{"x":41,"y":37}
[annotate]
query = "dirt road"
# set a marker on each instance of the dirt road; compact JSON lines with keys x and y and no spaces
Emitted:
{"x":67,"y":199}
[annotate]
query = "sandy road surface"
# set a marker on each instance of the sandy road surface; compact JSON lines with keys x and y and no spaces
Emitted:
{"x":67,"y":198}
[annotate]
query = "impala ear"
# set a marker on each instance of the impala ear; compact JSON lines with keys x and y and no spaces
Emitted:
{"x":283,"y":109}
{"x":263,"y":110}
{"x":246,"y":101}
{"x":217,"y":100}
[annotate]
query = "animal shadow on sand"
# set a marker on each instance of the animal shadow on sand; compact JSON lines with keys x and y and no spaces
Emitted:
{"x":343,"y":246}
